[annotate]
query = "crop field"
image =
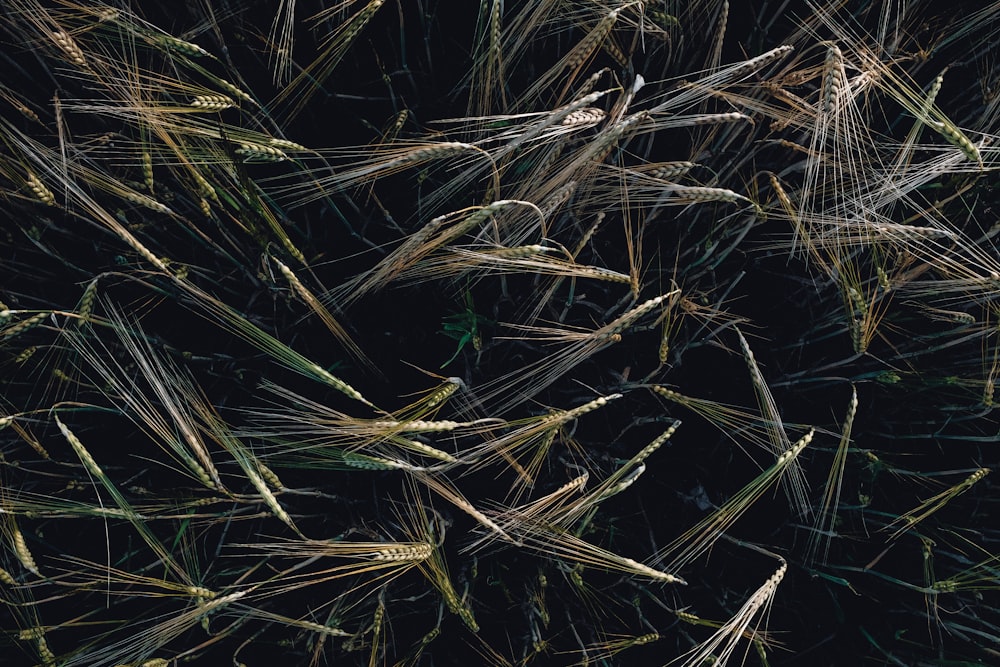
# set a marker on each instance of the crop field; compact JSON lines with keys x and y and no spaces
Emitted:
{"x":403,"y":333}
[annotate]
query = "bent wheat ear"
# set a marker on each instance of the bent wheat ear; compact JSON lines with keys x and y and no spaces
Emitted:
{"x":311,"y":626}
{"x":19,"y":328}
{"x":615,"y":483}
{"x":734,"y":422}
{"x":170,"y":386}
{"x":153,"y":637}
{"x":823,"y":526}
{"x":692,"y":92}
{"x":933,"y":504}
{"x":433,"y":235}
{"x":138,"y":522}
{"x":539,"y":510}
{"x":447,"y":490}
{"x":248,"y":462}
{"x":572,"y":63}
{"x":335,"y":46}
{"x":238,"y":325}
{"x":535,"y":436}
{"x":612,"y":645}
{"x":700,"y":538}
{"x":40,"y":190}
{"x":327,"y":318}
{"x":520,"y":385}
{"x":282,"y":36}
{"x":487,"y":74}
{"x":795,"y":484}
{"x":553,"y":542}
{"x":956,"y":137}
{"x":833,"y":78}
{"x":427,"y":406}
{"x":20,"y":547}
{"x":720,"y":647}
{"x":435,"y":570}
